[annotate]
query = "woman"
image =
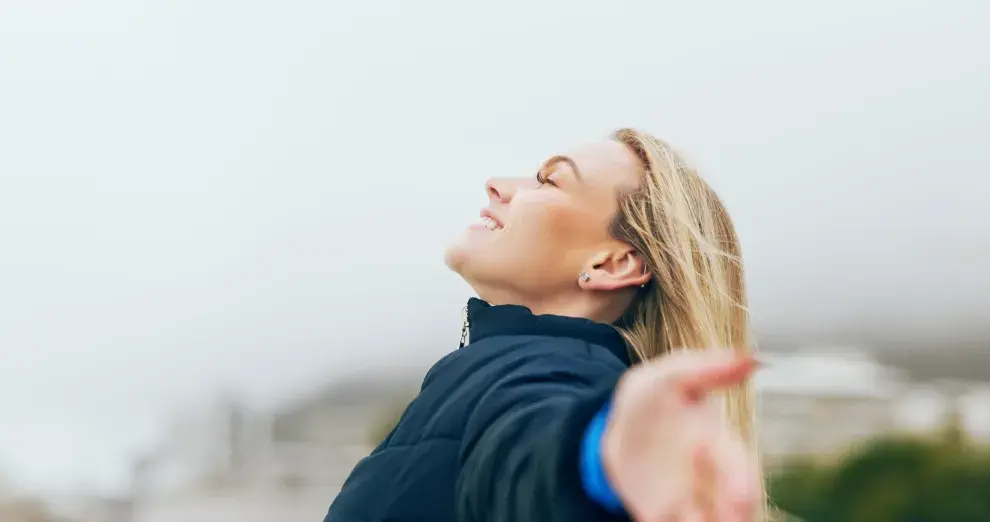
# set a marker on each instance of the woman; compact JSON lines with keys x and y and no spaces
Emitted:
{"x":616,"y":255}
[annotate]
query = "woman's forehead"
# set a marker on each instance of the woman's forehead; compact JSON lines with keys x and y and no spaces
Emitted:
{"x":606,"y":162}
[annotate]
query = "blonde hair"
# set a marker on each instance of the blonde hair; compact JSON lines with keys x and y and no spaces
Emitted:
{"x":697,"y":296}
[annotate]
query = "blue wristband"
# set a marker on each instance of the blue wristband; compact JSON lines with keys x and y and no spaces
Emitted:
{"x":593,"y":476}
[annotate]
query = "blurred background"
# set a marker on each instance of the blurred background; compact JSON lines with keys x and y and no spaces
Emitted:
{"x":222,"y":224}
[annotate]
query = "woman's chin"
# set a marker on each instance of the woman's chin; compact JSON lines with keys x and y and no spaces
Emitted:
{"x":457,"y":253}
{"x":467,"y":249}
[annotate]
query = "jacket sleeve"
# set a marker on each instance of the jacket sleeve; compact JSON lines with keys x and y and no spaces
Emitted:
{"x":521,"y":454}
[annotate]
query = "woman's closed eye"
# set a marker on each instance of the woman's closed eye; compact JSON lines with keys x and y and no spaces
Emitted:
{"x":544,"y":179}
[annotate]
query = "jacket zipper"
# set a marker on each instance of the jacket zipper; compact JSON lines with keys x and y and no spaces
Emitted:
{"x":465,"y":328}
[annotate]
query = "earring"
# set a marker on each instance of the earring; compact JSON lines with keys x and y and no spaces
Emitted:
{"x":585,"y":277}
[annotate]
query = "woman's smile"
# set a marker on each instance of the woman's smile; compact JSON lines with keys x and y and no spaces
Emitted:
{"x":488,"y":221}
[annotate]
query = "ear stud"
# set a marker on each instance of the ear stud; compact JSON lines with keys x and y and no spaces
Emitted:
{"x":585,"y":277}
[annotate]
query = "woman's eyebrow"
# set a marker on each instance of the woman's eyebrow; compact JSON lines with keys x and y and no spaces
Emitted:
{"x":563,"y":159}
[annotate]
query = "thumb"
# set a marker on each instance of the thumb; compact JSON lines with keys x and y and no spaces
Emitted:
{"x":720,"y":373}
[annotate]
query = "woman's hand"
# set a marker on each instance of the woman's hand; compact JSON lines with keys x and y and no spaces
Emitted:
{"x":668,"y":452}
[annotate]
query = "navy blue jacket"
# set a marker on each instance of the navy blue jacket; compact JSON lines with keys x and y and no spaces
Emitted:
{"x":495,"y":433}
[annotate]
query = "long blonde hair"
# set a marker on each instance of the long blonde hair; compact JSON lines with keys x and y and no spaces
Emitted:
{"x":697,"y":296}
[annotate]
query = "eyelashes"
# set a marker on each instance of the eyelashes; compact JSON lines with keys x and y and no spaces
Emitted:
{"x":543,"y":179}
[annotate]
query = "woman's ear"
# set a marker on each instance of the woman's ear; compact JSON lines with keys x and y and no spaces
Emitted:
{"x":615,"y":270}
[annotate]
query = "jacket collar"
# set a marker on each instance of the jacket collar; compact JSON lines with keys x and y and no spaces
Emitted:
{"x":485,"y":320}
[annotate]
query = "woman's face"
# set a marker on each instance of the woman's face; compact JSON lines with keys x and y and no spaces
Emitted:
{"x":539,"y":234}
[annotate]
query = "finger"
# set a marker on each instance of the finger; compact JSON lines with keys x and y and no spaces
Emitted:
{"x":693,"y":514}
{"x":700,"y":381}
{"x":738,"y":480}
{"x":705,"y":485}
{"x":670,"y":497}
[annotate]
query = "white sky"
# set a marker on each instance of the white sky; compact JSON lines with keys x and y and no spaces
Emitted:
{"x":203,"y":194}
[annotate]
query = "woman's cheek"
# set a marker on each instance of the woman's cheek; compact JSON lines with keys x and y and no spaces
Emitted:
{"x":552,"y":208}
{"x":539,"y":221}
{"x":564,"y":221}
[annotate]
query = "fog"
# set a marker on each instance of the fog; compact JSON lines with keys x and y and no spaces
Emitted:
{"x":201,"y":196}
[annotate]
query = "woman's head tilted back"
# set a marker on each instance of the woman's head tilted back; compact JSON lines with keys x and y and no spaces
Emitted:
{"x":540,"y":234}
{"x":620,"y":231}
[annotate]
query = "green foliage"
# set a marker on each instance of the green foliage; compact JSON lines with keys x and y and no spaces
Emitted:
{"x":890,"y":480}
{"x":797,"y":489}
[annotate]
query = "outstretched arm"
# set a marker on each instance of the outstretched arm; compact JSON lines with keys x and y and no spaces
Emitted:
{"x":661,"y":448}
{"x":521,"y":459}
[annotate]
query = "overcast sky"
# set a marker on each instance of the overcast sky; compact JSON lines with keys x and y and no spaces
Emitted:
{"x":205,"y":194}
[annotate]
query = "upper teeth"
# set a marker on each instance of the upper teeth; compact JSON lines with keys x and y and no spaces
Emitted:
{"x":489,"y":223}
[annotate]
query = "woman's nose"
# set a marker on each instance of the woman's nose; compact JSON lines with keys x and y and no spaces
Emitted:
{"x":499,"y":190}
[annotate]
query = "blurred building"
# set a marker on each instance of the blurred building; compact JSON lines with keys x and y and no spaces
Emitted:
{"x":203,"y":447}
{"x":226,"y":462}
{"x":24,"y":510}
{"x":83,"y":507}
{"x":974,"y":402}
{"x":337,"y":423}
{"x":930,"y":405}
{"x":819,"y":401}
{"x":822,"y":401}
{"x":15,"y":506}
